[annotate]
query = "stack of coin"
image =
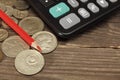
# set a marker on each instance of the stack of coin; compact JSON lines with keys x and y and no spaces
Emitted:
{"x":27,"y":60}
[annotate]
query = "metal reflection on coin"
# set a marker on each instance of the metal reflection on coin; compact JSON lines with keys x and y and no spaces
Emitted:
{"x":29,"y":62}
{"x":46,"y":40}
{"x":32,"y":25}
{"x":13,"y":45}
{"x":3,"y":34}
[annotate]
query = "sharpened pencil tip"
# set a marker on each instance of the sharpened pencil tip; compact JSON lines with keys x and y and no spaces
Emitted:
{"x":36,"y":46}
{"x":39,"y":49}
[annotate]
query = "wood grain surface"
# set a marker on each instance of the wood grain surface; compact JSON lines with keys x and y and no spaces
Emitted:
{"x":93,"y":55}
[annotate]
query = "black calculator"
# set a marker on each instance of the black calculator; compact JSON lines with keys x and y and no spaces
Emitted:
{"x":68,"y":17}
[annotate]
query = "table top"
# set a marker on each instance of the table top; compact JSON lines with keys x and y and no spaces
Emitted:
{"x":92,"y":55}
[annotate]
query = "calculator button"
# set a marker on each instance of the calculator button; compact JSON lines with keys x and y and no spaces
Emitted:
{"x":73,"y":3}
{"x":113,"y":1}
{"x":59,"y":9}
{"x":46,"y":3}
{"x":83,"y":1}
{"x":92,"y":7}
{"x":83,"y":12}
{"x":103,"y":3}
{"x":69,"y":21}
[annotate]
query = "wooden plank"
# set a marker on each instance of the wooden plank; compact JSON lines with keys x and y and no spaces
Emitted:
{"x":102,"y":35}
{"x":71,"y":63}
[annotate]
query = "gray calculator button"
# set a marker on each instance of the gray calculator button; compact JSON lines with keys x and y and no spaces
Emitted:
{"x":92,"y":7}
{"x":73,"y":3}
{"x":83,"y":12}
{"x":103,"y":3}
{"x":83,"y":1}
{"x":113,"y":1}
{"x":69,"y":21}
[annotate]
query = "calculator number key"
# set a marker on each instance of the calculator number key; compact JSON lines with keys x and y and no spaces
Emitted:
{"x":84,"y":13}
{"x":103,"y":3}
{"x":93,"y":8}
{"x":69,"y":21}
{"x":83,"y":1}
{"x":73,"y":3}
{"x":113,"y":1}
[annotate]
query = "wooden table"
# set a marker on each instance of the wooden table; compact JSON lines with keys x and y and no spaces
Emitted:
{"x":93,"y":55}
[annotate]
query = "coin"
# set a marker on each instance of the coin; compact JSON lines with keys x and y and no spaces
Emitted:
{"x":29,"y":62}
{"x":46,"y":40}
{"x":21,"y":5}
{"x":32,"y":25}
{"x":3,"y":34}
{"x":13,"y":45}
{"x":2,"y":7}
{"x":20,"y":14}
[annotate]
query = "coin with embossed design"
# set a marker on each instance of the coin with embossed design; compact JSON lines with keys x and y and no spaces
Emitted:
{"x":29,"y":62}
{"x":14,"y":45}
{"x":46,"y":40}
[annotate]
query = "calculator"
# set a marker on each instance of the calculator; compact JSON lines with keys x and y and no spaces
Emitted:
{"x":69,"y":17}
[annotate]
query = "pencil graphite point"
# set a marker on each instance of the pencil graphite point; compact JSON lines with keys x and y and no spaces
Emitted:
{"x":36,"y":46}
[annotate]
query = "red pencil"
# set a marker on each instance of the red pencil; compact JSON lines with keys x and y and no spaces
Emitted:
{"x":19,"y":30}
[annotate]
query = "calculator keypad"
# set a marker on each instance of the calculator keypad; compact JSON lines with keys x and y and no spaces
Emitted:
{"x":68,"y":17}
{"x":72,"y":19}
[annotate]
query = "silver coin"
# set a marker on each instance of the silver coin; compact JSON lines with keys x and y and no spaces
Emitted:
{"x":46,"y":40}
{"x":21,"y":5}
{"x":32,"y":25}
{"x":3,"y":34}
{"x":29,"y":62}
{"x":13,"y":45}
{"x":20,"y":14}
